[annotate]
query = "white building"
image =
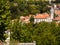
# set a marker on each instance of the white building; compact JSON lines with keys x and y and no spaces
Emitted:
{"x":44,"y":17}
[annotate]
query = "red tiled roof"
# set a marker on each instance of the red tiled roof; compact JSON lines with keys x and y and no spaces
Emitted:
{"x":42,"y":16}
{"x":57,"y":12}
{"x":27,"y":17}
{"x":57,"y":18}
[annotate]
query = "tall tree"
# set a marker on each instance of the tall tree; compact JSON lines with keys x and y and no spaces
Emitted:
{"x":4,"y":17}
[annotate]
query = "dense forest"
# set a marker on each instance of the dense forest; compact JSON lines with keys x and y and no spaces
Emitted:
{"x":22,"y":7}
{"x":13,"y":9}
{"x":43,"y":33}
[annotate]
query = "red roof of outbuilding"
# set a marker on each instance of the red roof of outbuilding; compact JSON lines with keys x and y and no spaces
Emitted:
{"x":42,"y":16}
{"x":57,"y":18}
{"x":57,"y":12}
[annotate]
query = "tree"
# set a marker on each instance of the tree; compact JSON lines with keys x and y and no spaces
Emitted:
{"x":4,"y":17}
{"x":32,"y":19}
{"x":33,"y":9}
{"x":43,"y":33}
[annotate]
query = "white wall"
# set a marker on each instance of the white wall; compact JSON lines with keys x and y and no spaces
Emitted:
{"x":40,"y":20}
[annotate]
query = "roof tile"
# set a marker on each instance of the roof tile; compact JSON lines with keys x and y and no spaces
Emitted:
{"x":44,"y":15}
{"x":57,"y":18}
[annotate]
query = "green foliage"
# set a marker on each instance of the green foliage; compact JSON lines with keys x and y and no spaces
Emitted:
{"x":27,"y":7}
{"x":4,"y":17}
{"x":27,"y":32}
{"x":32,"y":19}
{"x":43,"y":33}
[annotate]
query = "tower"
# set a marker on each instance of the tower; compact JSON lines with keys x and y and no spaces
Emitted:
{"x":52,"y":12}
{"x":49,"y":1}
